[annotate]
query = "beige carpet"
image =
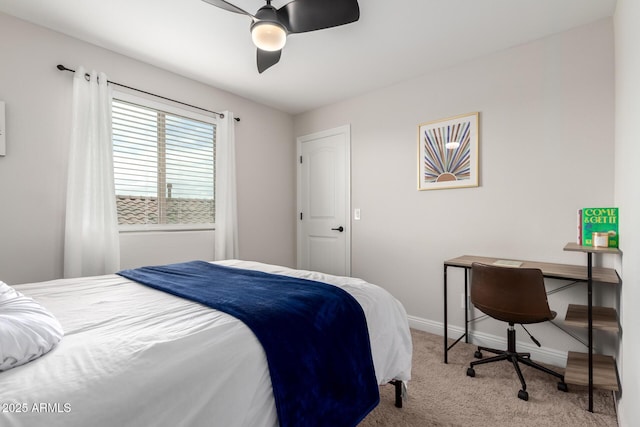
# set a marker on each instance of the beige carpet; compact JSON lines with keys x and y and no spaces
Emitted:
{"x":442,"y":395}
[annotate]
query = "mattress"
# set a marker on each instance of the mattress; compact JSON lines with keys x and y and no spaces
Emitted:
{"x":135,"y":356}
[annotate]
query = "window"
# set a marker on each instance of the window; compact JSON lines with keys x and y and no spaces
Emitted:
{"x":164,"y":162}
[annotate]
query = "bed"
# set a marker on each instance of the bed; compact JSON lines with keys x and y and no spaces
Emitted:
{"x":135,"y":356}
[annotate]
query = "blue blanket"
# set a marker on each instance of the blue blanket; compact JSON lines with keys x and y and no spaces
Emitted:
{"x":314,"y":335}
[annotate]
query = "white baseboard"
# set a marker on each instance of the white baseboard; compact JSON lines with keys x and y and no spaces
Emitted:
{"x":539,"y":354}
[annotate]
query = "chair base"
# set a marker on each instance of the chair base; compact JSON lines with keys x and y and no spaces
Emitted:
{"x":515,"y":358}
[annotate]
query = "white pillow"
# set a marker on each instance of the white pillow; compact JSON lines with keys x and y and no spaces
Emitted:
{"x":27,"y":329}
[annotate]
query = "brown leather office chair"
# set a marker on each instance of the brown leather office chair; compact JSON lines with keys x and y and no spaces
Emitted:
{"x":513,"y":295}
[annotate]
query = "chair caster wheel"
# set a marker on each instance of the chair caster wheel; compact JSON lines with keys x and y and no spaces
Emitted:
{"x":471,"y":372}
{"x":522,"y":394}
{"x":477,"y":354}
{"x":562,"y":386}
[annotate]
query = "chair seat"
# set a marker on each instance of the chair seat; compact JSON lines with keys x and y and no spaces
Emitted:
{"x":517,"y":317}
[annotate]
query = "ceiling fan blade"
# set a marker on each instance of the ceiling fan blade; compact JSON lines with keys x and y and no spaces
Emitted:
{"x":228,"y":6}
{"x":267,"y":58}
{"x":300,"y":16}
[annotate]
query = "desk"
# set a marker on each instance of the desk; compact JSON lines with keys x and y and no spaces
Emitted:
{"x":587,"y":274}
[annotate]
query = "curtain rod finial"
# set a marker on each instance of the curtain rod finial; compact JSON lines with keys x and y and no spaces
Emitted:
{"x":63,"y":68}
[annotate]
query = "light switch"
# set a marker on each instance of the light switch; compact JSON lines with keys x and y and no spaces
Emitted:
{"x":356,"y":214}
{"x":3,"y":131}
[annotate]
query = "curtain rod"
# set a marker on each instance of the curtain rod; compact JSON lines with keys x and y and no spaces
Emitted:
{"x":63,"y":68}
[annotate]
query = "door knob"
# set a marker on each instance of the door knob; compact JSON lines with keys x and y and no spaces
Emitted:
{"x":340,"y":229}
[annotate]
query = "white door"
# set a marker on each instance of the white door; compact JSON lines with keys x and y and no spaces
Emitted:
{"x":324,"y":230}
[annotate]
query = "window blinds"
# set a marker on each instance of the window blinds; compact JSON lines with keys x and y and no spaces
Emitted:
{"x":163,"y":166}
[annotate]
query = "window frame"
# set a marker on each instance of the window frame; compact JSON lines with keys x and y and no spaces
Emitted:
{"x":179,"y":111}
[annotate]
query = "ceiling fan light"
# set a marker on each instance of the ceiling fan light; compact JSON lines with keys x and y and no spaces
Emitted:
{"x":269,"y":36}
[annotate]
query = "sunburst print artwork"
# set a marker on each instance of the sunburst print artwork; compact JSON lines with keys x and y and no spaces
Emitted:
{"x":448,"y":153}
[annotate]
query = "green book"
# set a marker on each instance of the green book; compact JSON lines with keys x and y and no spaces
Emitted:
{"x":600,"y":220}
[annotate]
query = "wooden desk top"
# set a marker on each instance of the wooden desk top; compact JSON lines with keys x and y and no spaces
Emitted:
{"x":552,"y":270}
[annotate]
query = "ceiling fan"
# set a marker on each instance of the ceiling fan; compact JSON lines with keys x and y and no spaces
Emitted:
{"x":270,"y":26}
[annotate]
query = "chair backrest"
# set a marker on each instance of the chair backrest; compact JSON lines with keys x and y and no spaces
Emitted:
{"x":510,"y":294}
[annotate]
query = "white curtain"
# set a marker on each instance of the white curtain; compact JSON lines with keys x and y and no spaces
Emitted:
{"x":226,"y":233}
{"x":92,"y":244}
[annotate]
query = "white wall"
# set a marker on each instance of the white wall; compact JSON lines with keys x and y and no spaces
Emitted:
{"x":33,"y":173}
{"x":546,"y":149}
{"x":627,"y":177}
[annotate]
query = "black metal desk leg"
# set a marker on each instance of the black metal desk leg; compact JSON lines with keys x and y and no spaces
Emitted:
{"x":466,"y":308}
{"x":590,"y":324}
{"x":445,"y":315}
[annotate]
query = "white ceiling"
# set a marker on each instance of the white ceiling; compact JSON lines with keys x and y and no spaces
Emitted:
{"x":394,"y":40}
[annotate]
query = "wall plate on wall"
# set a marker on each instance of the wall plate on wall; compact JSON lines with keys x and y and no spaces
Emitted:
{"x":3,"y":131}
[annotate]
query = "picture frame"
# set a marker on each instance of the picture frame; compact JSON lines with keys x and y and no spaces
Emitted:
{"x":448,"y":153}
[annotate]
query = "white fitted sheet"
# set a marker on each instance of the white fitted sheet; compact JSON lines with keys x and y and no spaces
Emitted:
{"x":135,"y":356}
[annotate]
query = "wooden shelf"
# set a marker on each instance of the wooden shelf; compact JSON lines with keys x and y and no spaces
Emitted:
{"x":605,"y":374}
{"x":604,"y":318}
{"x":571,"y":246}
{"x":601,"y":371}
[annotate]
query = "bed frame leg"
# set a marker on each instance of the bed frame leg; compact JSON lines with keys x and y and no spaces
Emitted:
{"x":398,"y":385}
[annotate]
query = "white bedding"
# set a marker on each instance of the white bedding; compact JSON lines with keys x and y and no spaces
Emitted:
{"x":135,"y":356}
{"x":27,"y":329}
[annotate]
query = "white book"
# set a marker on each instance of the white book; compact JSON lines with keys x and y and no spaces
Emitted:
{"x":507,"y":263}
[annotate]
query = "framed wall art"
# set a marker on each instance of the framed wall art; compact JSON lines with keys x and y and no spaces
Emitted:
{"x":448,"y":153}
